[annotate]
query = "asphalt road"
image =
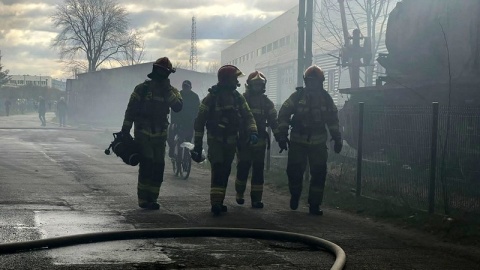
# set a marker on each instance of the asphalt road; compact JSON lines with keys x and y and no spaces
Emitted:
{"x":58,"y":182}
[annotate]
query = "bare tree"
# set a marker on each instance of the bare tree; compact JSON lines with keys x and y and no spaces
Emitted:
{"x":369,"y":16}
{"x":212,"y":67}
{"x":94,"y":29}
{"x":133,"y":53}
{"x":180,"y":64}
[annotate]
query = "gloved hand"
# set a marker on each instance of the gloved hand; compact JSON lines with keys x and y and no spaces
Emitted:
{"x":253,"y":138}
{"x":283,"y":144}
{"x":125,"y":132}
{"x":196,"y":154}
{"x":338,"y":146}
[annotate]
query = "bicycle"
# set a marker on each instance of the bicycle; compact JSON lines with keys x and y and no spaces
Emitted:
{"x":181,"y":161}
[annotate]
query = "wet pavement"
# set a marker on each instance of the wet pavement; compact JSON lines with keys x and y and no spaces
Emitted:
{"x":58,"y":182}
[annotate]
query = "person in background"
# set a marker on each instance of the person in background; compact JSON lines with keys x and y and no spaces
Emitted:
{"x":62,"y":112}
{"x":182,"y":122}
{"x":42,"y":110}
{"x":8,"y":103}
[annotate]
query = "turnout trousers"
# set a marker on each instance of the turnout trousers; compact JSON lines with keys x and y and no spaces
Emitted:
{"x":316,"y":155}
{"x":220,"y":156}
{"x":251,"y":156}
{"x":152,"y":166}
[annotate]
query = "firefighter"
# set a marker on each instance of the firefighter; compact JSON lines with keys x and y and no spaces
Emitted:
{"x":62,"y":112}
{"x":312,"y":109}
{"x":182,"y":122}
{"x":225,"y":113}
{"x":148,"y":108}
{"x":253,"y":156}
{"x":42,"y":109}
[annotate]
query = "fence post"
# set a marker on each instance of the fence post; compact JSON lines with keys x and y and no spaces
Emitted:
{"x":360,"y":149}
{"x":433,"y":159}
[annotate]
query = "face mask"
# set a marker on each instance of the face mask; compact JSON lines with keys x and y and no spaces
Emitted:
{"x":257,"y":88}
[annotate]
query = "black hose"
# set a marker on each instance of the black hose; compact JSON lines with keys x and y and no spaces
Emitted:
{"x":77,"y":239}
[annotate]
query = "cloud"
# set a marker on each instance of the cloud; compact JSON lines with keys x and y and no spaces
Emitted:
{"x":26,"y":30}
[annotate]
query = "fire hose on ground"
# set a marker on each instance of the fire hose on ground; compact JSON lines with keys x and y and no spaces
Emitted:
{"x":340,"y":257}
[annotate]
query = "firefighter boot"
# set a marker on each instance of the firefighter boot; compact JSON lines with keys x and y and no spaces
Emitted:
{"x":149,"y":205}
{"x":217,"y":209}
{"x":314,"y":209}
{"x":239,"y":198}
{"x":258,"y":205}
{"x":294,"y":200}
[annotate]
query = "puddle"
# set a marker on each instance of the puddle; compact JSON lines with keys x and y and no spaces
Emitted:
{"x":63,"y":223}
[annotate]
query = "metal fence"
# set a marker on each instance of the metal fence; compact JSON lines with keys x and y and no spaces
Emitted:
{"x":397,"y":162}
{"x":396,"y":157}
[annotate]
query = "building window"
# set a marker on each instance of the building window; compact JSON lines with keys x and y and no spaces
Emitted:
{"x":247,"y":55}
{"x":287,"y":40}
{"x":264,"y":49}
{"x":269,"y":47}
{"x":275,"y":45}
{"x":282,"y":42}
{"x":251,"y":55}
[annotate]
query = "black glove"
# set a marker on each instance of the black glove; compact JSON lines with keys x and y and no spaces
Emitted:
{"x":196,"y":154}
{"x":125,"y":132}
{"x":283,"y":144}
{"x":338,"y":146}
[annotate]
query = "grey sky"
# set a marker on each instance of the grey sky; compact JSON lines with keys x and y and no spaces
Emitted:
{"x":26,"y":30}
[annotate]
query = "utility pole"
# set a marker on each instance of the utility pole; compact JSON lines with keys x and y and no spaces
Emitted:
{"x":352,"y":52}
{"x":301,"y":43}
{"x":193,"y":46}
{"x":305,"y":38}
{"x":309,"y":34}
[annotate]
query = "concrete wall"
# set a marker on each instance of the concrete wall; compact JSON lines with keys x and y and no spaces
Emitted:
{"x":102,"y":96}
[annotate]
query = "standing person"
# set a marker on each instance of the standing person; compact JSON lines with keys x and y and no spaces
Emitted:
{"x":62,"y":111}
{"x":224,"y":112}
{"x":253,"y":156}
{"x":182,"y":122}
{"x":312,"y":109}
{"x":8,"y":103}
{"x":42,"y":110}
{"x":148,"y":108}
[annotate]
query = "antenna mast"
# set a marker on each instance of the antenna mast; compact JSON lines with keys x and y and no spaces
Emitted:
{"x":193,"y":47}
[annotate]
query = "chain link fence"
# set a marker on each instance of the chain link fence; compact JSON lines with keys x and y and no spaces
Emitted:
{"x":396,"y":162}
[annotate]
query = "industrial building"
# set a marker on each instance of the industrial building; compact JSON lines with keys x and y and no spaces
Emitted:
{"x":102,"y":96}
{"x":273,"y":50}
{"x":35,"y":80}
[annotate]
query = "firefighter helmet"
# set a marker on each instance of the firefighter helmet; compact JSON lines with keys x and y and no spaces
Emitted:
{"x":314,"y":72}
{"x":228,"y":73}
{"x":125,"y":147}
{"x":254,"y":78}
{"x":161,"y":68}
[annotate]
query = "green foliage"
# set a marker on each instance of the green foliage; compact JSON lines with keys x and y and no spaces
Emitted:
{"x":3,"y":76}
